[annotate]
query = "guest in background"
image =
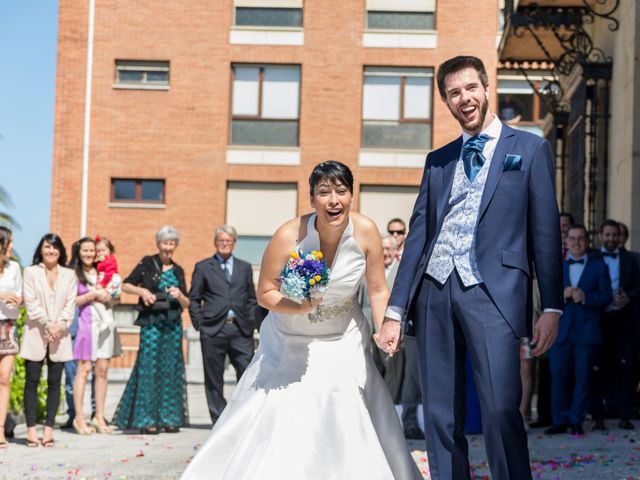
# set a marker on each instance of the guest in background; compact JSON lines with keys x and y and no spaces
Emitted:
{"x":541,"y":363}
{"x":616,"y":359}
{"x":566,"y":220}
{"x":587,"y":292}
{"x":527,"y":360}
{"x":10,"y":301}
{"x":96,"y":339}
{"x":223,"y":309}
{"x":49,"y":291}
{"x":156,"y":395}
{"x":398,"y":230}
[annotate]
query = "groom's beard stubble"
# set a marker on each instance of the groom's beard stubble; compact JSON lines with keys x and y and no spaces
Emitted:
{"x":473,"y":126}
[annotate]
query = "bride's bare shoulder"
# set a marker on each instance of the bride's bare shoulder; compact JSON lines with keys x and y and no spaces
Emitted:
{"x":292,"y":231}
{"x":364,"y":229}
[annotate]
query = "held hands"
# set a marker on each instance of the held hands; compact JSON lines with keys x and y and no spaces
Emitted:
{"x":574,"y":293}
{"x":10,"y":299}
{"x":174,"y":292}
{"x":621,"y":299}
{"x":309,"y":306}
{"x":148,"y":298}
{"x":388,"y":338}
{"x":56,"y":331}
{"x":545,"y":332}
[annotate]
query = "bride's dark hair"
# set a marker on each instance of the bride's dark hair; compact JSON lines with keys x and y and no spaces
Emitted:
{"x":333,"y":171}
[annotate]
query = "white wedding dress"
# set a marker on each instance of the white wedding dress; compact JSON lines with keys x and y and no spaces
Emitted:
{"x":311,"y":405}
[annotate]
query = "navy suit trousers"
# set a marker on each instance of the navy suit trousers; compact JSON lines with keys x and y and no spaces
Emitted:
{"x":454,"y":320}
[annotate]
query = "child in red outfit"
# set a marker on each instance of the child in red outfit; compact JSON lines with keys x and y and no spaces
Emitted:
{"x":107,"y":266}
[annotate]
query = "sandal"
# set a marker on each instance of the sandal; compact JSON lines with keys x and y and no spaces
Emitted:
{"x":149,"y":430}
{"x":99,"y":428}
{"x":49,"y":443}
{"x":33,"y":443}
{"x":86,"y":430}
{"x":172,"y":429}
{"x":4,"y":444}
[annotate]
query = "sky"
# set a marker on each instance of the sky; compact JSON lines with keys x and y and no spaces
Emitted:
{"x":28,"y":43}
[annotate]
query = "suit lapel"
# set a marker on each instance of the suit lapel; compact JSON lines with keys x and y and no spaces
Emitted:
{"x":448,"y":173}
{"x":584,"y":275}
{"x":504,"y":146}
{"x":215,"y":266}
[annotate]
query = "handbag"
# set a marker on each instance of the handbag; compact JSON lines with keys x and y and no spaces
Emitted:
{"x":8,"y":337}
{"x":162,"y":302}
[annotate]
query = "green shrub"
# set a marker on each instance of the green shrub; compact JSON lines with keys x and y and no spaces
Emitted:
{"x":16,"y":395}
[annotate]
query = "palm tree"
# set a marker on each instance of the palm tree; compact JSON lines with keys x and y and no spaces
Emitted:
{"x":6,"y":218}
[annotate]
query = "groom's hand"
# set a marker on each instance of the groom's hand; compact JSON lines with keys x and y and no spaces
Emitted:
{"x":388,"y":338}
{"x":545,"y":332}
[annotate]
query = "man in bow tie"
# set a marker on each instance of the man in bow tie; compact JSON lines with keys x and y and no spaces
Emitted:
{"x":586,"y":294}
{"x":616,"y":358}
{"x":485,"y":216}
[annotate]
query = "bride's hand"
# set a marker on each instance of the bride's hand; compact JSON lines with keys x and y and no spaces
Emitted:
{"x":308,"y":306}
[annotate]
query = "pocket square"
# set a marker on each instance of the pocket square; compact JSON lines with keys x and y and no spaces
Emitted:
{"x":512,"y":162}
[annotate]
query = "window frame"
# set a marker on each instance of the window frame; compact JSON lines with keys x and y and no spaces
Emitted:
{"x":268,"y":27}
{"x":145,"y":66}
{"x":137,"y":200}
{"x":402,"y":119}
{"x":258,"y":116}
{"x":536,"y":107}
{"x":392,"y":30}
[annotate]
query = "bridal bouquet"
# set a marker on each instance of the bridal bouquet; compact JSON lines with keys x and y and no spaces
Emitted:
{"x":304,"y":276}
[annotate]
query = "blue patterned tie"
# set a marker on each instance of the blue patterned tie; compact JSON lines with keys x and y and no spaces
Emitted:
{"x":472,"y":155}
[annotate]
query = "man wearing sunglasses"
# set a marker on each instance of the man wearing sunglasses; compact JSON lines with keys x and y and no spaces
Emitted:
{"x":398,"y":230}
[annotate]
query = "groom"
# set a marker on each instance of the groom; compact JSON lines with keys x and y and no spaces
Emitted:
{"x":484,"y":220}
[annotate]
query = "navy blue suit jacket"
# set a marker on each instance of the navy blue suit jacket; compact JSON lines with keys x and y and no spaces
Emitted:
{"x":580,"y":322}
{"x":518,"y":228}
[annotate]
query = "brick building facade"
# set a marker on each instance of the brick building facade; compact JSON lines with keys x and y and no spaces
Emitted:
{"x":201,"y":113}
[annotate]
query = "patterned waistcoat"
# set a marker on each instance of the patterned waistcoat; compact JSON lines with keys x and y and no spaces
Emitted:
{"x":455,"y":246}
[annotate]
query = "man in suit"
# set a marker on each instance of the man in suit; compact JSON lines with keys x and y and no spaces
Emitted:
{"x":486,"y":212}
{"x":223,"y":309}
{"x":616,"y":359}
{"x":587,"y":291}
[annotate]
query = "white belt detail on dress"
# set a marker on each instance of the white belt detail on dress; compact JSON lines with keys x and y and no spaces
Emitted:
{"x":323,"y":312}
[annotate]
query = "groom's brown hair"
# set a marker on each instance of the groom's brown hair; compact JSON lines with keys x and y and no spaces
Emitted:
{"x":456,"y":64}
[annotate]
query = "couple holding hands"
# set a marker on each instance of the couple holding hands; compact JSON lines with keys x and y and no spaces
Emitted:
{"x":312,"y":406}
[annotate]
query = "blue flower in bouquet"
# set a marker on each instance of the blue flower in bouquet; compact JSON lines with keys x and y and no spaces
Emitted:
{"x":293,"y":286}
{"x":304,"y":276}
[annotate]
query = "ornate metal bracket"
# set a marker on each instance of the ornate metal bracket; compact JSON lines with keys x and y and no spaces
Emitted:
{"x":566,"y":24}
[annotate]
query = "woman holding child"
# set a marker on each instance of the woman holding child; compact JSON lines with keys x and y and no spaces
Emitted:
{"x":96,"y":339}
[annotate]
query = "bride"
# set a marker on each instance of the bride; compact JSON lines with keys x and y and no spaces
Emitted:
{"x":311,"y":405}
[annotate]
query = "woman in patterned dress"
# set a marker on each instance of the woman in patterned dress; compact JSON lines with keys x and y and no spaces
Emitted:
{"x":156,"y":396}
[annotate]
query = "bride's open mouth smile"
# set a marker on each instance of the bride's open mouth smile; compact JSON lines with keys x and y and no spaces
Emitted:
{"x":334,"y":213}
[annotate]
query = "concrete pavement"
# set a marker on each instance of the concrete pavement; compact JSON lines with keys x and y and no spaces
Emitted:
{"x":131,"y":456}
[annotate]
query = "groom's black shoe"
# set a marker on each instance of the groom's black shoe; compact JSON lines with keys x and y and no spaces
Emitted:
{"x":556,"y":429}
{"x":414,"y":434}
{"x":577,"y":430}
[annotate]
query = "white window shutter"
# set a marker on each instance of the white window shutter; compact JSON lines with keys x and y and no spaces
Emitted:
{"x":281,"y":92}
{"x":417,"y":98}
{"x":245,"y":90}
{"x":381,"y":98}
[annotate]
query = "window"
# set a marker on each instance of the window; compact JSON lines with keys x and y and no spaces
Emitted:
{"x":518,"y":103}
{"x":126,"y":190}
{"x":256,"y":210}
{"x":396,"y":107}
{"x":270,"y":13}
{"x":142,"y":74}
{"x":265,"y":105}
{"x":400,"y":14}
{"x":381,"y":203}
